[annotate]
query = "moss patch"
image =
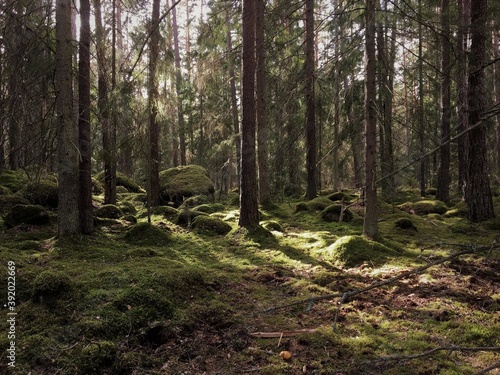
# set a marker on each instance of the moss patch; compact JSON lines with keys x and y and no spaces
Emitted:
{"x":208,"y":224}
{"x":352,"y":251}
{"x":43,"y":193}
{"x":50,"y":285}
{"x":26,"y":214}
{"x":424,"y":207}
{"x":147,"y":234}
{"x":333,"y":212}
{"x":184,"y":181}
{"x":210,"y":208}
{"x":109,"y":211}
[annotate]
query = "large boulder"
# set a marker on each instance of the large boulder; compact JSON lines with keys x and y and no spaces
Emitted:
{"x":26,"y":214}
{"x":183,"y":182}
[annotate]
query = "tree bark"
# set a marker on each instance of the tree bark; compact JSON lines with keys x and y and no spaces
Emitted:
{"x":370,"y":228}
{"x":420,"y":110}
{"x":249,"y":205}
{"x":67,"y":136}
{"x":85,"y":168}
{"x":311,"y":147}
{"x":443,"y":184}
{"x":154,"y":130}
{"x":478,"y":193}
{"x":262,"y":125}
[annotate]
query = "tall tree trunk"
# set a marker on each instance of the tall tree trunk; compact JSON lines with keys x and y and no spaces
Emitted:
{"x":154,"y":130}
{"x":370,"y":228}
{"x":178,"y":87}
{"x":86,"y":218}
{"x":234,"y":99}
{"x":67,"y":135}
{"x":443,"y":185}
{"x":103,"y":107}
{"x":249,"y":205}
{"x":462,"y":89}
{"x":311,"y":147}
{"x":478,"y":193}
{"x":496,"y":74}
{"x":262,"y":125}
{"x":421,"y":124}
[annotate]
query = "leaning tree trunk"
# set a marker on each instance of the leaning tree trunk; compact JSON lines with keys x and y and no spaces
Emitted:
{"x":67,"y":135}
{"x":478,"y":193}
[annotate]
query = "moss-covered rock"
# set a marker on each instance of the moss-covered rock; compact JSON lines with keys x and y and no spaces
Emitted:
{"x":332,"y":213}
{"x":339,"y":196}
{"x":352,"y":251}
{"x":170,"y":212}
{"x":43,"y":193}
{"x":96,"y":357}
{"x":186,"y":217}
{"x":26,"y":214}
{"x":459,"y":210}
{"x":13,"y":180}
{"x":301,"y":206}
{"x":130,"y":218}
{"x":319,"y":203}
{"x":97,"y":187}
{"x":272,"y":225}
{"x":123,"y":180}
{"x":147,"y":234}
{"x":404,"y":223}
{"x":182,"y":182}
{"x":195,"y":200}
{"x":109,"y":211}
{"x":121,"y":189}
{"x":10,"y":200}
{"x":208,"y":224}
{"x":424,"y":207}
{"x":210,"y":208}
{"x":127,"y":207}
{"x":49,"y":285}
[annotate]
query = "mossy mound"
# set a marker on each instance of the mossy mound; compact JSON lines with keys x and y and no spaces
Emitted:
{"x":143,"y":306}
{"x":210,"y":208}
{"x":97,"y":187}
{"x":183,"y":182}
{"x":13,"y":180}
{"x":123,"y":180}
{"x":127,"y":207}
{"x":459,"y":210}
{"x":319,"y":203}
{"x":121,"y":189}
{"x":292,"y":190}
{"x":130,"y":218}
{"x":5,"y":190}
{"x":424,"y":207}
{"x":170,"y":212}
{"x":49,"y":286}
{"x":26,"y":214}
{"x":109,"y":211}
{"x":332,"y":213}
{"x":208,"y":224}
{"x":272,"y":225}
{"x":339,"y":196}
{"x":147,"y":234}
{"x":301,"y":207}
{"x":352,"y":251}
{"x":96,"y":357}
{"x":43,"y":193}
{"x":404,"y":223}
{"x":186,"y":217}
{"x":10,"y":200}
{"x":196,"y":200}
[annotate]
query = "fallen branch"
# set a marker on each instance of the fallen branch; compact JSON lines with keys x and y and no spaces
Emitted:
{"x":441,"y":349}
{"x":281,"y":334}
{"x":469,"y":249}
{"x":489,"y":368}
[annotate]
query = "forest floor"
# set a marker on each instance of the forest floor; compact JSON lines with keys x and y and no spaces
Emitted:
{"x":198,"y":303}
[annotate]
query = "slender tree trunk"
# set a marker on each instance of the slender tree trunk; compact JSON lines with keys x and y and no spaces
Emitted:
{"x":262,"y":125}
{"x":311,"y":148}
{"x":462,"y":88}
{"x":443,"y":185}
{"x":86,"y":219}
{"x":478,"y":193}
{"x":234,"y":99}
{"x":496,"y":74}
{"x":178,"y":87}
{"x":154,"y":130}
{"x":421,"y":124}
{"x":249,"y":205}
{"x":67,"y":135}
{"x":370,"y":228}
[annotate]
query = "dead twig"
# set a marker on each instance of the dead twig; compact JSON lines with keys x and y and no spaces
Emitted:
{"x":489,"y":368}
{"x":281,"y":334}
{"x":441,"y":349}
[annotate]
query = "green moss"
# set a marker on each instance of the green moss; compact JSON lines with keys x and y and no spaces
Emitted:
{"x":147,"y":234}
{"x":26,"y":214}
{"x":170,"y":212}
{"x":43,"y":193}
{"x":97,"y":187}
{"x":424,"y":207}
{"x":319,"y":203}
{"x":13,"y":180}
{"x":4,"y":190}
{"x":332,"y":213}
{"x":184,"y":181}
{"x":121,"y":189}
{"x":186,"y":217}
{"x":123,"y":180}
{"x":352,"y":251}
{"x":492,"y":224}
{"x":323,"y":278}
{"x":208,"y":224}
{"x":404,"y":223}
{"x":301,"y":206}
{"x":109,"y":211}
{"x":459,"y":210}
{"x":339,"y":196}
{"x":48,"y":286}
{"x":127,"y":207}
{"x":10,"y":200}
{"x":272,"y":225}
{"x":130,"y":218}
{"x":292,"y":190}
{"x":96,"y":357}
{"x":196,"y":200}
{"x":210,"y":208}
